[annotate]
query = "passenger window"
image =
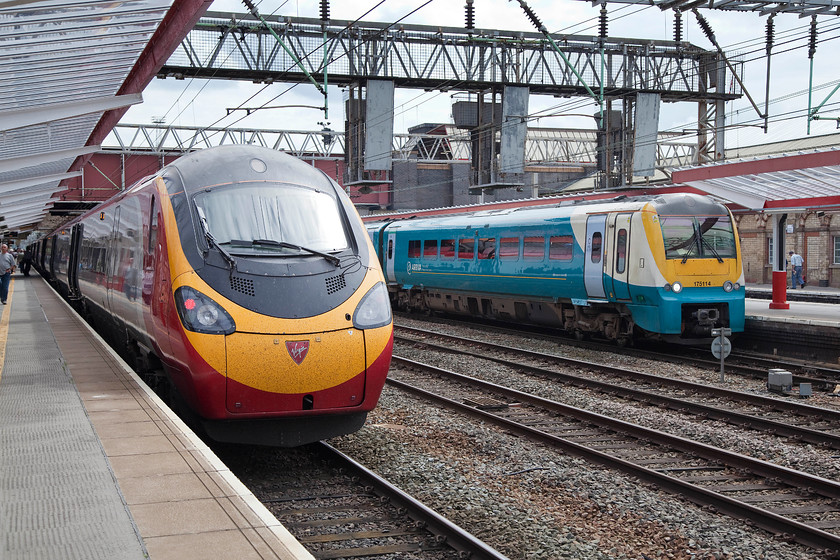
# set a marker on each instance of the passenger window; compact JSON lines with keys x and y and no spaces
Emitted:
{"x":447,"y":249}
{"x":621,"y":251}
{"x":414,"y":249}
{"x":509,"y":248}
{"x":466,"y":248}
{"x":534,"y":248}
{"x":390,"y":249}
{"x":487,"y":248}
{"x":430,"y":249}
{"x":560,"y":248}
{"x":596,"y":247}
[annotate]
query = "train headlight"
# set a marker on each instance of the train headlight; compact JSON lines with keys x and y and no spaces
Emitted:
{"x":374,"y":310}
{"x":201,"y":314}
{"x":676,"y":287}
{"x":728,"y":286}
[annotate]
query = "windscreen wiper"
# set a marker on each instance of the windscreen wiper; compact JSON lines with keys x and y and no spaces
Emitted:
{"x":272,"y":243}
{"x":704,"y":241}
{"x":691,"y":247}
{"x":202,"y":219}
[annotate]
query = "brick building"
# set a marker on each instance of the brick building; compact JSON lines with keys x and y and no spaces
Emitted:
{"x":816,"y":236}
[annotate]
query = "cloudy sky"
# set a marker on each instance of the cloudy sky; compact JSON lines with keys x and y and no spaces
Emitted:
{"x":202,"y":103}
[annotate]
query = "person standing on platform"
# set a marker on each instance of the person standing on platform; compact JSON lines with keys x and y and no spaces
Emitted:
{"x":796,"y":262}
{"x":7,"y":267}
{"x":26,"y":262}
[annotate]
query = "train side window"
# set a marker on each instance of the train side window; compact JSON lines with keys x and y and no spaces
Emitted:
{"x":509,"y":248}
{"x":487,"y":248}
{"x":414,"y":249}
{"x":390,"y":249}
{"x":560,"y":248}
{"x":466,"y":248}
{"x":534,"y":248}
{"x":430,"y":249}
{"x":596,"y":247}
{"x":447,"y":249}
{"x":621,"y":251}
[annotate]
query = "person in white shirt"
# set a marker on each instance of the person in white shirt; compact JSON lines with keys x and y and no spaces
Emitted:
{"x":7,"y":267}
{"x":796,"y":263}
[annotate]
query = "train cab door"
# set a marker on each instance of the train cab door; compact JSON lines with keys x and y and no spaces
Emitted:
{"x":390,"y":246}
{"x":593,"y":266}
{"x":114,"y":261}
{"x":73,"y":264}
{"x":619,"y":249}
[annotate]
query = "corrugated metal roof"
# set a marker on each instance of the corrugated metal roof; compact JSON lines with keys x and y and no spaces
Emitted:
{"x":61,"y":64}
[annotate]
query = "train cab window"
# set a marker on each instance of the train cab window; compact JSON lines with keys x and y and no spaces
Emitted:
{"x":561,"y":248}
{"x":698,"y":237}
{"x":533,"y":248}
{"x":466,"y":248}
{"x":414,"y":249}
{"x":447,"y":249}
{"x":430,"y":249}
{"x":509,"y":248}
{"x":596,"y":247}
{"x":487,"y":248}
{"x":621,"y":251}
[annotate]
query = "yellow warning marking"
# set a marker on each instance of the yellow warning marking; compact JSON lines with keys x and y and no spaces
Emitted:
{"x":4,"y":327}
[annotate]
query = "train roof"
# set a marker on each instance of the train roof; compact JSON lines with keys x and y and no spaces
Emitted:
{"x":663,"y":204}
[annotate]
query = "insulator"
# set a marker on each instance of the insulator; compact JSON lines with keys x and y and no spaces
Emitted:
{"x":677,"y":26}
{"x":325,"y":10}
{"x":250,"y":6}
{"x":470,"y":13}
{"x":531,"y":15}
{"x":812,"y":40}
{"x":704,"y":25}
{"x":769,"y":32}
{"x":602,"y":22}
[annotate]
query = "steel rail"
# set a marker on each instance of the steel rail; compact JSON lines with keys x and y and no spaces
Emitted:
{"x":454,"y":536}
{"x":774,"y":427}
{"x":824,"y":383}
{"x":800,"y":532}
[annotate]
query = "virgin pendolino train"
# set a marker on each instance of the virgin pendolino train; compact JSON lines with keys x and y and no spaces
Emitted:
{"x":242,"y":281}
{"x":664,"y":267}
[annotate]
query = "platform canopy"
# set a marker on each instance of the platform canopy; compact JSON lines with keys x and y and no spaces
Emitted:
{"x":778,"y":183}
{"x":69,"y":69}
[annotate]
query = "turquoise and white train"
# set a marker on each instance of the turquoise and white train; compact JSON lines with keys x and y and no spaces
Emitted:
{"x":662,"y":267}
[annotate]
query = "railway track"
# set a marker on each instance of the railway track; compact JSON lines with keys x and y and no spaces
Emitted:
{"x":337,"y":508}
{"x":822,"y":377}
{"x":791,"y":504}
{"x":783,"y":418}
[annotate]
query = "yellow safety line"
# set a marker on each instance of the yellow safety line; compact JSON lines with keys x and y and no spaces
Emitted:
{"x":4,"y":327}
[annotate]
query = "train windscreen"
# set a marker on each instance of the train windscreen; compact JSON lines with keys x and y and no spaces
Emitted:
{"x":276,"y":212}
{"x":704,"y":237}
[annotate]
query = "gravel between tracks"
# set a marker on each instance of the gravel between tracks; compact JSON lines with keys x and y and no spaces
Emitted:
{"x":530,"y":502}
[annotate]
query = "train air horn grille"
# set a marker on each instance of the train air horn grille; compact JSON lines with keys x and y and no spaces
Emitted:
{"x":243,"y":285}
{"x":335,"y":283}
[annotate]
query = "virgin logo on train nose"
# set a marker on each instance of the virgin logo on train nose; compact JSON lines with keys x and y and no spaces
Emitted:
{"x":297,"y":349}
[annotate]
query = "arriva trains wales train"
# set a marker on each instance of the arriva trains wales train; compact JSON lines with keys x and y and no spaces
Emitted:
{"x":241,"y":281}
{"x":664,"y":267}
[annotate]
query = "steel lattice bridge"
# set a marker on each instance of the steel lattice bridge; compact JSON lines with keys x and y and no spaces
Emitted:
{"x":238,"y":46}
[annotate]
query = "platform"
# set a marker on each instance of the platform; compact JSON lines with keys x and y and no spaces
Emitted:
{"x":92,"y":463}
{"x":811,"y":305}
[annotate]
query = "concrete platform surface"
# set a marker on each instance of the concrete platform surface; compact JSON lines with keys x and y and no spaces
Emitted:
{"x":93,"y":465}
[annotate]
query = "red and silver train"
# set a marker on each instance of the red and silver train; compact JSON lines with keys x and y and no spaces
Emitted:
{"x":242,"y":281}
